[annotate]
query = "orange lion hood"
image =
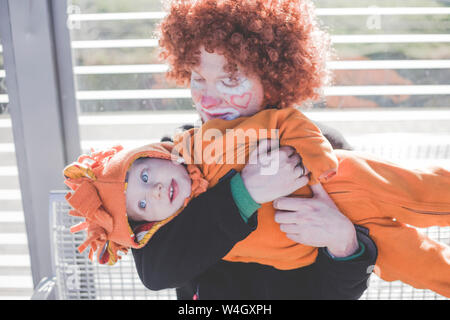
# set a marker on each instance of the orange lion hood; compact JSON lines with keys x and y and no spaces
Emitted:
{"x":99,"y":184}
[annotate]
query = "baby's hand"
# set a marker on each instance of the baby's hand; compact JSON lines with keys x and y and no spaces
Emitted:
{"x":273,"y":172}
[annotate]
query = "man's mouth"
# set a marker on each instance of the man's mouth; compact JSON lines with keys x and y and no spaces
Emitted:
{"x":221,"y":115}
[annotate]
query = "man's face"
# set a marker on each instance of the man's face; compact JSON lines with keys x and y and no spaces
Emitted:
{"x":156,"y":189}
{"x":217,"y":96}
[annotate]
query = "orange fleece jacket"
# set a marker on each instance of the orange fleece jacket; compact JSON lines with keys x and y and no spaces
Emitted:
{"x":376,"y":194}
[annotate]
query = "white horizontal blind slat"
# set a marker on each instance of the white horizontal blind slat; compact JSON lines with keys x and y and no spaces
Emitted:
{"x":10,"y":194}
{"x":11,"y":216}
{"x":7,"y":147}
{"x":118,"y":43}
{"x":133,"y":94}
{"x":388,"y":64}
{"x":374,"y":10}
{"x":8,"y":171}
{"x":13,"y":238}
{"x":334,"y":65}
{"x":128,"y":143}
{"x":17,"y":260}
{"x":191,"y":116}
{"x":5,"y":123}
{"x":319,"y":11}
{"x":337,"y":39}
{"x":390,"y":38}
{"x":387,"y":90}
{"x":117,"y":16}
{"x":16,"y":282}
{"x":119,"y":69}
{"x":328,"y":91}
{"x":169,"y":118}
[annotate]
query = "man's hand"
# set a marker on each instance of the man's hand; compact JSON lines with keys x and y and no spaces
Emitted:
{"x":273,"y":172}
{"x":316,"y":222}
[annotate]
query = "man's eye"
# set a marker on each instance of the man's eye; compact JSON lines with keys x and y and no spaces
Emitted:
{"x":199,"y":80}
{"x":144,"y":176}
{"x":142,"y":204}
{"x":230,"y":82}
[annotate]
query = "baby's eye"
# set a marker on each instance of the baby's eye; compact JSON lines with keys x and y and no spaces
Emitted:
{"x":144,"y":176}
{"x":142,"y":204}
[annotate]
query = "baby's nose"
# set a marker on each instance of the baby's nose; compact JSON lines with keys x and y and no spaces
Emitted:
{"x":210,"y":102}
{"x":157,"y":190}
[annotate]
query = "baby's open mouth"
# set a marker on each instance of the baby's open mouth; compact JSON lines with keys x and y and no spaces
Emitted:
{"x":173,"y":190}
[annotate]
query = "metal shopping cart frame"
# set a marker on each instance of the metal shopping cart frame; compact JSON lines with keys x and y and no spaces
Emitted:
{"x":76,"y":277}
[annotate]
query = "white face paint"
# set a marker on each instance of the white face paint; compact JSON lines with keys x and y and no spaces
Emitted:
{"x":216,"y":95}
{"x":240,"y":86}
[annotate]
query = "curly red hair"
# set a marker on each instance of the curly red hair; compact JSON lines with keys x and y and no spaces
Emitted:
{"x":280,"y":41}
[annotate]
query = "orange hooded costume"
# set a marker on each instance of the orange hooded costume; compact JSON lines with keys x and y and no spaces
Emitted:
{"x":375,"y":194}
{"x":99,"y":184}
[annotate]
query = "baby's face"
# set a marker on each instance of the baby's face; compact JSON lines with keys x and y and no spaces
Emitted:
{"x":156,"y":189}
{"x":216,"y":96}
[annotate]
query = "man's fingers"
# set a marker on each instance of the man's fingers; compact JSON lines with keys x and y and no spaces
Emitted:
{"x":290,"y":204}
{"x":252,"y":159}
{"x":318,"y":190}
{"x":273,"y":144}
{"x":286,"y":151}
{"x":295,"y":237}
{"x":289,"y":228}
{"x":295,"y":159}
{"x":305,"y":168}
{"x":301,"y":182}
{"x":299,"y":171}
{"x":261,"y":148}
{"x":267,"y":145}
{"x":322,"y":197}
{"x":286,"y":217}
{"x":264,"y":154}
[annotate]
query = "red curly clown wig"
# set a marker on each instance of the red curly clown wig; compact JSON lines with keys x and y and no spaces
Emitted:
{"x":280,"y":41}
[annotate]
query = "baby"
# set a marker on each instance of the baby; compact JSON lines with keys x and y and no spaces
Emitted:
{"x":155,"y":182}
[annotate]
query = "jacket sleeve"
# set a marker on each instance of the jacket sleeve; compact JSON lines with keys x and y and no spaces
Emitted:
{"x":299,"y":132}
{"x":345,"y":279}
{"x":194,"y":240}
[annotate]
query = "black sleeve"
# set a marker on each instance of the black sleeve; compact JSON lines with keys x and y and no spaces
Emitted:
{"x":345,"y":279}
{"x":335,"y":137}
{"x":197,"y":238}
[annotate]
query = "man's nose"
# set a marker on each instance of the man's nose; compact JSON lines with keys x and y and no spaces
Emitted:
{"x":209,"y":102}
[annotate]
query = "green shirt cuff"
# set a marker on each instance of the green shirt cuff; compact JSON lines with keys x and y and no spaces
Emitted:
{"x":358,"y":253}
{"x":244,"y":201}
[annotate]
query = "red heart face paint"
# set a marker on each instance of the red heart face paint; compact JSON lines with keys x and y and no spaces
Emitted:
{"x":241,"y":101}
